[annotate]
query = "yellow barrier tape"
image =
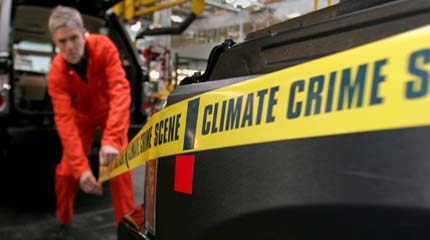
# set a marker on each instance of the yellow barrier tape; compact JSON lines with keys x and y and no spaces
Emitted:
{"x":377,"y":86}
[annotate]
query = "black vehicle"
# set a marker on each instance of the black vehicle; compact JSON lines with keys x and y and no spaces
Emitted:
{"x":371,"y":185}
{"x":27,"y":130}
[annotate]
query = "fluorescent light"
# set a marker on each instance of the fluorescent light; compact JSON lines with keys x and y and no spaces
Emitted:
{"x":136,"y":27}
{"x":242,"y":3}
{"x":293,"y":15}
{"x":176,"y":18}
{"x":154,"y":75}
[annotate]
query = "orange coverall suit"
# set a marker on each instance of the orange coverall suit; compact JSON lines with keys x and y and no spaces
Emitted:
{"x":79,"y":107}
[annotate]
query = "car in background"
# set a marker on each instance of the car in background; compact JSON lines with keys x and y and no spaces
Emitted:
{"x":27,"y":131}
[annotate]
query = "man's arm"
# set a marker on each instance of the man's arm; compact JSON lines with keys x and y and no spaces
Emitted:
{"x":119,"y":106}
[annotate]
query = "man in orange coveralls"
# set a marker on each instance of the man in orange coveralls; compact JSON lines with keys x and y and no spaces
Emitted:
{"x":88,"y":89}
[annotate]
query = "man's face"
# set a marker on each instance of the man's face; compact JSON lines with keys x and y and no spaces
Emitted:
{"x":71,"y":42}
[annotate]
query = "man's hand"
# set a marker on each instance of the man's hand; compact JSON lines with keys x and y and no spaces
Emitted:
{"x":88,"y":183}
{"x":107,"y":154}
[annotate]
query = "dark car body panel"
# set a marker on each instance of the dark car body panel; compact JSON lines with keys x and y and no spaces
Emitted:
{"x":305,"y":39}
{"x":370,"y":185}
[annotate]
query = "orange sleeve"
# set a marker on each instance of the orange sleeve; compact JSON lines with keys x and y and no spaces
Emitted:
{"x":119,"y":106}
{"x":66,"y":127}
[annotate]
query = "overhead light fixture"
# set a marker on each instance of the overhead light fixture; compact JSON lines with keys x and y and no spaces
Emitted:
{"x":176,"y":18}
{"x":136,"y":27}
{"x":293,"y":15}
{"x":154,"y":75}
{"x":242,"y":3}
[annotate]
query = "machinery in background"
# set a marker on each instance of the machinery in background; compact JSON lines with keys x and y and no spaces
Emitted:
{"x":156,"y":57}
{"x":160,"y":84}
{"x":162,"y":79}
{"x":130,"y":10}
{"x":187,"y":67}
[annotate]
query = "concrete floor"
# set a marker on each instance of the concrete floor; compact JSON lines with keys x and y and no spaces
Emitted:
{"x":27,"y":208}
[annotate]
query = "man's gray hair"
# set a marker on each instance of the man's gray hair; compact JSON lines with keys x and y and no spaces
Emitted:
{"x":62,"y":16}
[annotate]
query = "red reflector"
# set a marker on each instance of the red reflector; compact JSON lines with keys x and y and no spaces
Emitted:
{"x":184,"y":169}
{"x":1,"y":100}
